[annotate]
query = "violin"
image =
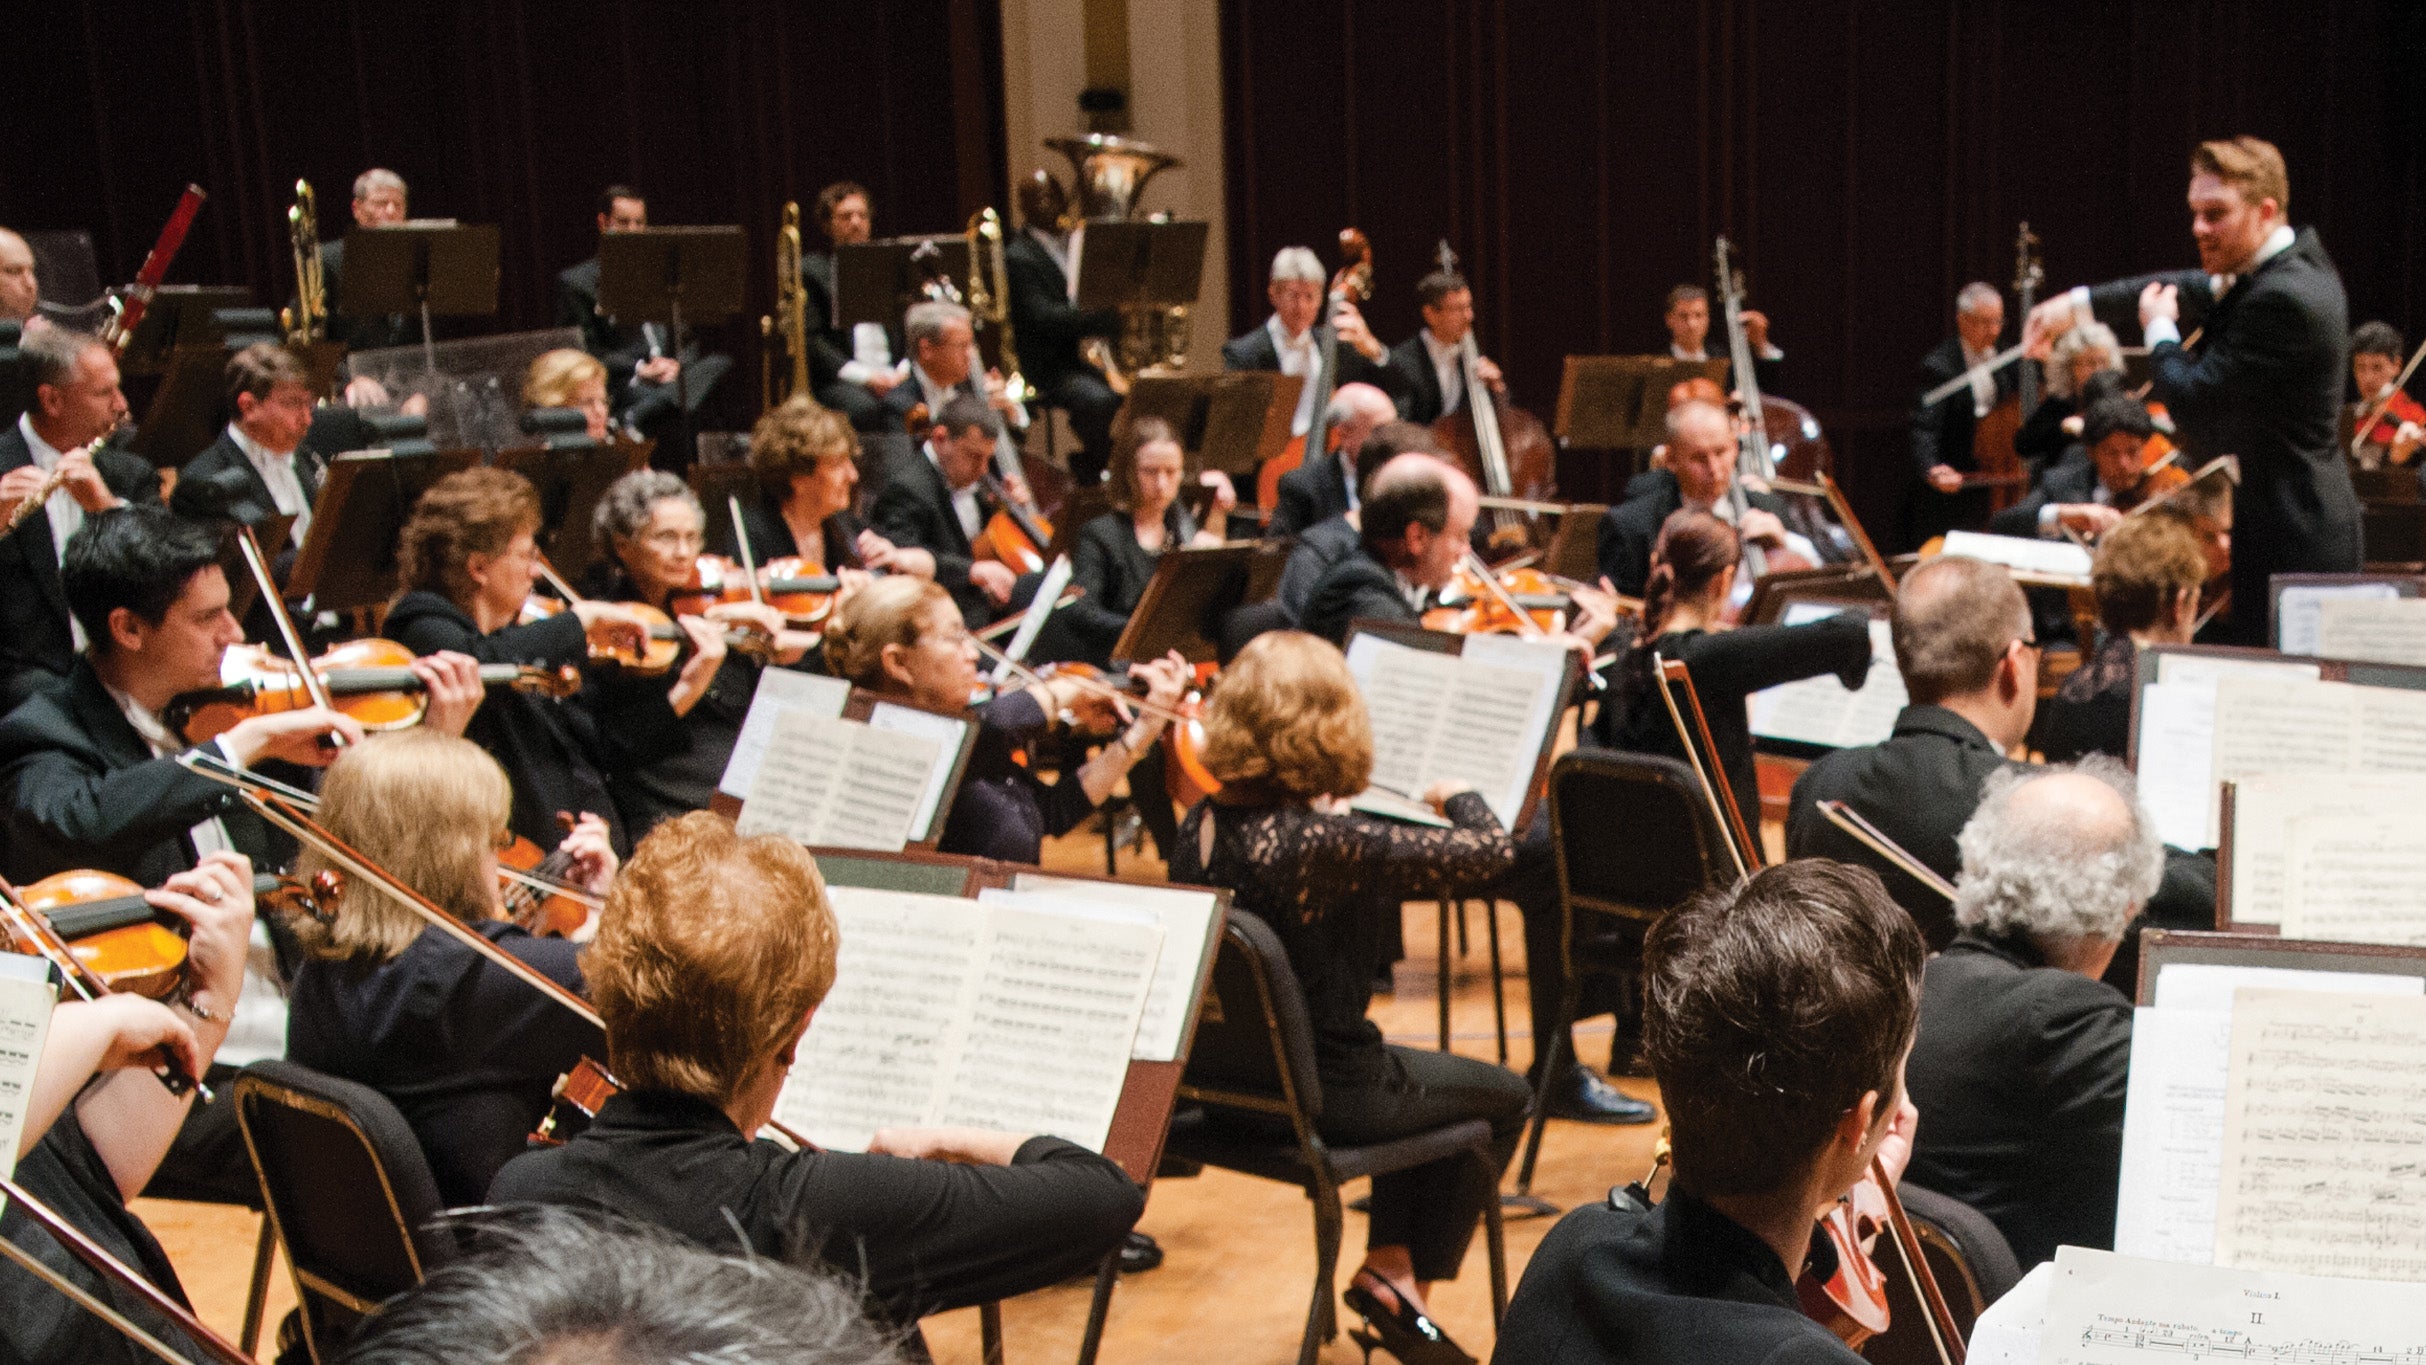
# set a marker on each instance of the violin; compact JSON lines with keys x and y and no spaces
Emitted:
{"x":790,"y":584}
{"x":660,"y":646}
{"x":117,"y":932}
{"x":1353,"y":281}
{"x":1520,"y":601}
{"x":368,"y":679}
{"x":542,"y":900}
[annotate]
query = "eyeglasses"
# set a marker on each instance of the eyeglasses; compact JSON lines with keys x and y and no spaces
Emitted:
{"x":674,"y":540}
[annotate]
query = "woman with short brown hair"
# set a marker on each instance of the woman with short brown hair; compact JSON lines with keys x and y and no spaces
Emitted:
{"x":2147,"y":578}
{"x":807,"y":461}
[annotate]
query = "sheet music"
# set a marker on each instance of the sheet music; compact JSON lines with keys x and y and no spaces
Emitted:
{"x":2173,"y":1104}
{"x":949,"y":733}
{"x":2046,"y":558}
{"x":2357,"y":879}
{"x":1476,"y":720}
{"x":2385,"y":628}
{"x":26,"y":1000}
{"x":1823,"y":710}
{"x":2008,"y":1330}
{"x":2107,"y":1309}
{"x":779,"y":690}
{"x":1389,"y":805}
{"x":2207,"y":670}
{"x":2264,"y":726}
{"x":837,"y":783}
{"x":2296,"y":612}
{"x":2175,"y":760}
{"x":1187,"y":917}
{"x":2265,"y":807}
{"x":1019,"y":1018}
{"x":2324,"y":1153}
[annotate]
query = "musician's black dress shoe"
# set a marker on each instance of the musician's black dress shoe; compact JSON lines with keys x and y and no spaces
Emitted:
{"x":1583,"y":1096}
{"x":1140,"y":1252}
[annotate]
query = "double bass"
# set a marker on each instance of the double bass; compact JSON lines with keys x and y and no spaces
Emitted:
{"x":1351,"y":283}
{"x":1996,"y":463}
{"x":1505,"y":449}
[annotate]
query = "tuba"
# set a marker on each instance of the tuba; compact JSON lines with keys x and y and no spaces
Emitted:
{"x":989,"y":300}
{"x":791,"y":317}
{"x":1109,"y":173}
{"x":307,"y":321}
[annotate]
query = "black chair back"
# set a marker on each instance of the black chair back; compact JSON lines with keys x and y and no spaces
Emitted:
{"x":347,"y":1188}
{"x":1633,"y":832}
{"x":1254,"y":1044}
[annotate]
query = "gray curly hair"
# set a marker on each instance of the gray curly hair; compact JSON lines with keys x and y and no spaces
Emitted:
{"x":628,"y":503}
{"x":2047,"y":871}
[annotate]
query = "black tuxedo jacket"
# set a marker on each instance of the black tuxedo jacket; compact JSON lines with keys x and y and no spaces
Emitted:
{"x":1629,"y":530}
{"x":223,"y":455}
{"x":829,"y":345}
{"x":1413,"y":382}
{"x":358,"y":333}
{"x":2073,"y":479}
{"x":1309,"y":495}
{"x":2264,"y":383}
{"x":621,"y":347}
{"x":83,"y":790}
{"x":1254,"y":351}
{"x":1941,"y":431}
{"x":1048,"y":326}
{"x":37,"y":647}
{"x":915,"y":509}
{"x":1358,"y":587}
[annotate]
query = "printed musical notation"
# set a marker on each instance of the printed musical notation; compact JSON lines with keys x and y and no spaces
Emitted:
{"x":26,"y":999}
{"x":2176,"y":1341}
{"x":1481,"y":717}
{"x":841,"y":784}
{"x":2105,"y":1309}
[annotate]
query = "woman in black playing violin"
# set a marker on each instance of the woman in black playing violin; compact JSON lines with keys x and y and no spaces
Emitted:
{"x":807,"y":462}
{"x":1115,"y":554}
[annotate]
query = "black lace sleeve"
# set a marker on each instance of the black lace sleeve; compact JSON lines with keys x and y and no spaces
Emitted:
{"x":1297,"y":865}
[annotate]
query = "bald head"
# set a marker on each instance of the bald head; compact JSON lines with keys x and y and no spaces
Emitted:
{"x":2061,"y":855}
{"x":19,"y":291}
{"x":1955,"y":619}
{"x":1356,"y":409}
{"x":1418,"y":511}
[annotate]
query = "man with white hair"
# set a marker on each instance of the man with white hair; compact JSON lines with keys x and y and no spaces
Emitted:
{"x":379,"y":201}
{"x":1287,"y":341}
{"x":1942,"y":431}
{"x":2022,"y":1055}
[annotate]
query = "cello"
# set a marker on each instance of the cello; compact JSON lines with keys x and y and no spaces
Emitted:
{"x":1353,"y":282}
{"x":1505,"y":449}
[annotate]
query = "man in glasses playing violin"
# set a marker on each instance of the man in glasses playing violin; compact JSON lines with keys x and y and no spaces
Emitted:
{"x":1777,"y":1018}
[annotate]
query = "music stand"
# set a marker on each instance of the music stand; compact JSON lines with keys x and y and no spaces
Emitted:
{"x":348,"y":559}
{"x":441,"y":267}
{"x":572,"y":474}
{"x":1233,"y":420}
{"x":1193,"y":588}
{"x":680,"y":276}
{"x":184,"y":415}
{"x":876,"y":281}
{"x":1620,"y":402}
{"x":1155,"y":264}
{"x":179,"y":315}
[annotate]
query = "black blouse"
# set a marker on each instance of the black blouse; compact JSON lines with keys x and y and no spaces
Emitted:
{"x":37,"y":1322}
{"x":1114,"y":569}
{"x":548,"y":748}
{"x":1003,"y":810}
{"x":1727,"y":667}
{"x":659,"y":764}
{"x":2090,"y":712}
{"x":771,"y":536}
{"x":1325,"y":883}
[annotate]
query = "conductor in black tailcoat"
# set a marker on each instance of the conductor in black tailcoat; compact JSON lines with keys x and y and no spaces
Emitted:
{"x":2262,"y":377}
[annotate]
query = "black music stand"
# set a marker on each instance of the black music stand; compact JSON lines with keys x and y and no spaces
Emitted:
{"x":680,"y":276}
{"x":1620,"y":402}
{"x":572,"y":474}
{"x":441,"y":268}
{"x":179,"y":315}
{"x":1154,"y":264}
{"x":348,"y":559}
{"x":1233,"y":420}
{"x":1192,"y":590}
{"x":877,"y":281}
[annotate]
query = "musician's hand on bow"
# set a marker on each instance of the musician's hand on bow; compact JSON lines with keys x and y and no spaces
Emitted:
{"x":1488,"y":371}
{"x":2405,"y":442}
{"x":1763,"y":528}
{"x":2160,"y":301}
{"x":658,"y":369}
{"x":875,"y":552}
{"x":752,"y":616}
{"x":290,"y":737}
{"x":993,"y":578}
{"x":2049,"y":320}
{"x":362,"y":391}
{"x":998,"y":393}
{"x":1091,"y":710}
{"x":2089,"y":518}
{"x":1015,"y":487}
{"x":909,"y":559}
{"x":1945,"y":478}
{"x":1437,"y":795}
{"x":1595,"y":616}
{"x":83,"y":481}
{"x":1895,"y":1152}
{"x":139,"y":1032}
{"x":1167,"y":681}
{"x":707,"y":655}
{"x":611,"y":626}
{"x":1349,"y":324}
{"x":452,"y":683}
{"x":215,"y":899}
{"x":592,"y":855}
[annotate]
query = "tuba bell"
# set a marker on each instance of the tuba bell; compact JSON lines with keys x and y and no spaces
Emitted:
{"x":1109,"y":174}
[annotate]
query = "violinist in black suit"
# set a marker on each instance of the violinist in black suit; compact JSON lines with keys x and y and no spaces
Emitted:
{"x":1425,"y":375}
{"x":1700,"y":470}
{"x":645,"y":375}
{"x":262,"y":465}
{"x":1290,"y":343}
{"x":76,"y":403}
{"x":1942,"y":431}
{"x":934,"y":499}
{"x":851,"y":369}
{"x":2264,"y":380}
{"x":1418,"y":513}
{"x":1050,"y":325}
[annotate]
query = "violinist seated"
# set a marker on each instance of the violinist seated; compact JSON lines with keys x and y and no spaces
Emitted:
{"x":666,"y":744}
{"x":2073,"y":368}
{"x":468,"y":1052}
{"x":1693,"y":570}
{"x":98,"y":1122}
{"x":1700,"y":475}
{"x":2023,"y":1050}
{"x":262,"y":465}
{"x":1290,"y":343}
{"x":712,"y":955}
{"x":2376,"y":356}
{"x":467,"y":561}
{"x":1942,"y":432}
{"x":1688,"y":321}
{"x":570,"y":378}
{"x":1324,"y":485}
{"x":2088,"y":495}
{"x":1334,"y":538}
{"x":807,"y":461}
{"x":2147,"y":577}
{"x":1289,"y":740}
{"x":1115,"y":554}
{"x":903,"y":638}
{"x":76,"y":403}
{"x":1425,"y":374}
{"x":936,"y":498}
{"x":944,"y":366}
{"x":1777,"y":1018}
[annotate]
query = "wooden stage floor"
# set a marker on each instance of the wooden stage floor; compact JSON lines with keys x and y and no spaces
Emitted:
{"x":1239,"y":1252}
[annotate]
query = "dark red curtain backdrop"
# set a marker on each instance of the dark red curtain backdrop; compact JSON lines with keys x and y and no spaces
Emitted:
{"x":1867,"y":159}
{"x":495,"y":112}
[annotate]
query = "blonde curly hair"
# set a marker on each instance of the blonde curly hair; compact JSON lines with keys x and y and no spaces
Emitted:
{"x":1286,"y":714}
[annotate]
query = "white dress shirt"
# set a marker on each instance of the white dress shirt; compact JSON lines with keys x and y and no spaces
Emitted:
{"x":278,"y":471}
{"x":1296,"y":358}
{"x":64,"y":513}
{"x":1446,"y":369}
{"x":1676,"y":352}
{"x":964,"y":500}
{"x":1983,"y":382}
{"x":871,"y":353}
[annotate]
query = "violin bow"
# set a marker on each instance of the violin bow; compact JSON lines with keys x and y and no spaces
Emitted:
{"x":556,"y":580}
{"x":1934,"y":1313}
{"x":1869,"y":836}
{"x":110,"y":1268}
{"x":1715,"y":788}
{"x":1853,"y":527}
{"x":1526,"y":626}
{"x":259,"y":565}
{"x":741,"y":542}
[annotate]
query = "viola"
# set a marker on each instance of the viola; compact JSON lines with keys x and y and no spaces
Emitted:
{"x":112,"y":930}
{"x":1528,"y":602}
{"x":368,"y":679}
{"x":660,"y":647}
{"x":1352,"y":282}
{"x":790,"y":584}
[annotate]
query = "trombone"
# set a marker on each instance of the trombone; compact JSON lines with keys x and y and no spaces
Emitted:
{"x":307,"y":321}
{"x":791,"y":317}
{"x":989,"y":299}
